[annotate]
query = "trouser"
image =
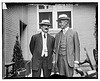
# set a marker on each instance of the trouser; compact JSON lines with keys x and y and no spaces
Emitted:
{"x":63,"y":66}
{"x":44,"y":66}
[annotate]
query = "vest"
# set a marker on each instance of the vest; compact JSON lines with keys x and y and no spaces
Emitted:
{"x":62,"y":49}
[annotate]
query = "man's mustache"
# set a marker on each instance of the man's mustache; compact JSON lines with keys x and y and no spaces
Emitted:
{"x":46,"y":28}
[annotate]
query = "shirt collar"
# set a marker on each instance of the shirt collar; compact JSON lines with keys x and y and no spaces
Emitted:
{"x":43,"y":33}
{"x":66,"y":29}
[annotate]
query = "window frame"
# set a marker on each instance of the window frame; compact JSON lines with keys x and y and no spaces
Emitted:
{"x":54,"y":11}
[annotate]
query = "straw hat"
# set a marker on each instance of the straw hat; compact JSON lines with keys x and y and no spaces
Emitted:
{"x":45,"y":22}
{"x":63,"y":17}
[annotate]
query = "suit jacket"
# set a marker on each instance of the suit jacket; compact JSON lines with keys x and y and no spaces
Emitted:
{"x":72,"y":46}
{"x":36,"y":46}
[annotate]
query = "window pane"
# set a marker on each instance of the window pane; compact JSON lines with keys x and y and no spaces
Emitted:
{"x":68,"y":13}
{"x":41,"y":7}
{"x":45,"y":15}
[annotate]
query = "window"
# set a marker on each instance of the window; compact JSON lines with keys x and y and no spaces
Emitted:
{"x":45,"y":15}
{"x":41,"y":7}
{"x":68,"y":13}
{"x":52,"y":12}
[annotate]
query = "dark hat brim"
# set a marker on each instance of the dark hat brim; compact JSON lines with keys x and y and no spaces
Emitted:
{"x":45,"y":24}
{"x":59,"y":19}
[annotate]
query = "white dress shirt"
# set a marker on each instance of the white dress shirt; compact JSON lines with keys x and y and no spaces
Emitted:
{"x":44,"y":50}
{"x":65,"y":30}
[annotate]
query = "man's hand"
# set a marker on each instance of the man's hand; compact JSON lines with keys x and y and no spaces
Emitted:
{"x":76,"y":64}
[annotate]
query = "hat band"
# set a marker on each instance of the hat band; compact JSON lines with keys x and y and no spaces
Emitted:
{"x":64,"y":18}
{"x":45,"y":23}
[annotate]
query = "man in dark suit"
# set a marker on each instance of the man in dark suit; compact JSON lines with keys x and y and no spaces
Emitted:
{"x":41,"y":47}
{"x":67,"y":48}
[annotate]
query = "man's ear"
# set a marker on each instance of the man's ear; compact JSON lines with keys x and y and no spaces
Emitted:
{"x":41,"y":27}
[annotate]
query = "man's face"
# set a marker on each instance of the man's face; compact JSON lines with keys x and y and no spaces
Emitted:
{"x":45,"y":28}
{"x":64,"y":23}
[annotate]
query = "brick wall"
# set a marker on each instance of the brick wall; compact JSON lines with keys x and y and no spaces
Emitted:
{"x":10,"y":31}
{"x":11,"y":17}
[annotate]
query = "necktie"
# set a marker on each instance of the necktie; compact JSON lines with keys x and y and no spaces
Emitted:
{"x":44,"y":36}
{"x":64,"y":31}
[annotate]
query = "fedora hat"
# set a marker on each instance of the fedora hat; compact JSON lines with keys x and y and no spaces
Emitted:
{"x":45,"y":22}
{"x":63,"y":17}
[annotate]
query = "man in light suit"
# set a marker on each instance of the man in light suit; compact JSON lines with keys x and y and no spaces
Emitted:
{"x":41,"y":47}
{"x":67,"y":48}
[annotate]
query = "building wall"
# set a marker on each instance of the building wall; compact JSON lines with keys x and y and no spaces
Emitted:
{"x":32,"y":26}
{"x":24,"y":18}
{"x":84,"y":22}
{"x":10,"y":31}
{"x":11,"y":27}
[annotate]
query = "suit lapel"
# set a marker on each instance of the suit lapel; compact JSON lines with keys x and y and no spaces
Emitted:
{"x":67,"y":35}
{"x":60,"y":36}
{"x":59,"y":39}
{"x":48,"y":39}
{"x":41,"y":40}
